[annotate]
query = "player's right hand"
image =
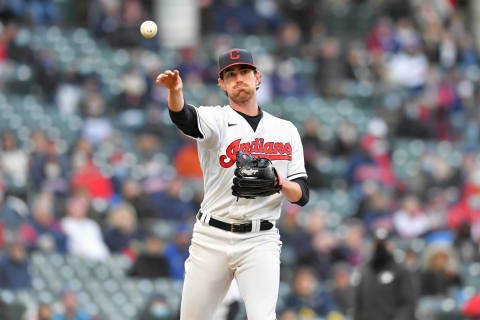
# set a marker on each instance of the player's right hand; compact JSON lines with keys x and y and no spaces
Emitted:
{"x":170,"y":79}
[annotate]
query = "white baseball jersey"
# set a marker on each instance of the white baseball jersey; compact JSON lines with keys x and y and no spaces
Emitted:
{"x":224,"y":133}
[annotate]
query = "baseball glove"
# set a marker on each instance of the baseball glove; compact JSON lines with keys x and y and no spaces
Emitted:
{"x":254,"y":177}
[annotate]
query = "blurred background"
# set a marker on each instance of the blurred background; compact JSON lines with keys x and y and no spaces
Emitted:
{"x":98,"y":190}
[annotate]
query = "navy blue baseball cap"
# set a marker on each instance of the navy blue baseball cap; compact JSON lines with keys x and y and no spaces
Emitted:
{"x":235,"y":57}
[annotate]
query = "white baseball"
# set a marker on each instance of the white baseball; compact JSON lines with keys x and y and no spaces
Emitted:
{"x":148,"y":29}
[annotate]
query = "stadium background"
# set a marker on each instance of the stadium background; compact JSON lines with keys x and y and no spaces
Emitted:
{"x":99,"y":190}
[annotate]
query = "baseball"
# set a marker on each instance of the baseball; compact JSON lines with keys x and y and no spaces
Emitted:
{"x":148,"y":29}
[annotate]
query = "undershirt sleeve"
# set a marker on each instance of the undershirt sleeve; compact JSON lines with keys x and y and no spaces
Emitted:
{"x":302,"y":181}
{"x":186,"y":120}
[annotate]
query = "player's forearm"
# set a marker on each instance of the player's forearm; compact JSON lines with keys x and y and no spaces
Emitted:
{"x":291,"y":190}
{"x":175,"y":100}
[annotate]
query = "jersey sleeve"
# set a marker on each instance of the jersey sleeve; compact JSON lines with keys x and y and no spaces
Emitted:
{"x":200,"y":123}
{"x":209,"y":125}
{"x":186,"y":120}
{"x":296,"y":167}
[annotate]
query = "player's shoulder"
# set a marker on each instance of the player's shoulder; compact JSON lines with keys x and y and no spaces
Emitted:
{"x":212,"y":108}
{"x":212,"y":112}
{"x":279,"y":121}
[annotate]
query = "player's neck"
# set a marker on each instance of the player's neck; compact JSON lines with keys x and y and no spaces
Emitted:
{"x":249,"y":108}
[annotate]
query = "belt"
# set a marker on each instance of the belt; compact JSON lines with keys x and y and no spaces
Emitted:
{"x":236,"y":227}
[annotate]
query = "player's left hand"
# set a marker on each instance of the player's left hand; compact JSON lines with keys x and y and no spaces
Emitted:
{"x":254,"y":177}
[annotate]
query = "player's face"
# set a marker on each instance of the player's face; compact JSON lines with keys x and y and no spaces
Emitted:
{"x":239,"y":83}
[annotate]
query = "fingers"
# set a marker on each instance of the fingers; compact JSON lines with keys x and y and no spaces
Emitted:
{"x":161,"y":77}
{"x":167,"y":76}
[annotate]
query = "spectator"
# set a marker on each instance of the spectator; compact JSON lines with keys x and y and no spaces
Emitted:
{"x":133,"y":193}
{"x":329,"y":78}
{"x":105,"y":19}
{"x":96,"y":127}
{"x":47,"y":169}
{"x":176,"y":252}
{"x":40,"y":12}
{"x":345,"y":143}
{"x":121,"y":231}
{"x":436,"y":209}
{"x":14,"y":268}
{"x":308,"y":298}
{"x":54,"y":171}
{"x":169,"y":205}
{"x":86,"y":174}
{"x":288,"y":315}
{"x":70,"y":309}
{"x":466,"y":213}
{"x":377,"y":211}
{"x":440,"y":270}
{"x":189,"y":65}
{"x":314,"y":151}
{"x":13,"y":209}
{"x":295,"y":240}
{"x":44,"y":231}
{"x":342,"y":292}
{"x":372,"y":162}
{"x":322,"y":259}
{"x":157,"y":308}
{"x":151,"y":262}
{"x":83,"y":234}
{"x":471,"y":309}
{"x":351,"y":249}
{"x":411,"y":221}
{"x":411,"y":124}
{"x":13,"y":161}
{"x":37,"y":156}
{"x":316,"y":245}
{"x":44,"y":312}
{"x":286,"y":81}
{"x":5,"y":311}
{"x":401,"y":65}
{"x":439,"y":173}
{"x":385,"y":288}
{"x":134,"y":90}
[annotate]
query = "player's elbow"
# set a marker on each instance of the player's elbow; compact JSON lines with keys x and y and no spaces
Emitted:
{"x":304,"y":198}
{"x":304,"y":191}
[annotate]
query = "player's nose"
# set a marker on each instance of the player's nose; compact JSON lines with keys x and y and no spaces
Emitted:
{"x":239,"y":82}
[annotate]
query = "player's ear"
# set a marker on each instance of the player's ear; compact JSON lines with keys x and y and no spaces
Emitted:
{"x":258,"y":79}
{"x":221,"y":84}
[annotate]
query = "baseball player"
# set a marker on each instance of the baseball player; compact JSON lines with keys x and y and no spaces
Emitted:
{"x":251,"y":161}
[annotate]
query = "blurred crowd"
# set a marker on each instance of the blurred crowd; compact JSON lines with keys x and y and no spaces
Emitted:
{"x":412,"y":65}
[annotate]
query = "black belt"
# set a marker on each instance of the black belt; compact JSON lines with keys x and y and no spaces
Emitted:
{"x":236,"y":227}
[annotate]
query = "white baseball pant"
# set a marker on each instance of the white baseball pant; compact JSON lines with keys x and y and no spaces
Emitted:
{"x":216,"y":257}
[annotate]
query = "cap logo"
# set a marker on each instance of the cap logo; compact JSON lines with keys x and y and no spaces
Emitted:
{"x":234,"y":54}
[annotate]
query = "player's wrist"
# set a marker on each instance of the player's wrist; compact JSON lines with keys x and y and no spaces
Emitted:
{"x":279,"y":179}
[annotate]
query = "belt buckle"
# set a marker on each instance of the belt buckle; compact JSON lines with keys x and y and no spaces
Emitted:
{"x":237,"y":227}
{"x":240,"y":227}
